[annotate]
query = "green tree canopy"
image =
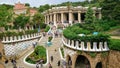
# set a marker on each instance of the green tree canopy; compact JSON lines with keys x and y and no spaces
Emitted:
{"x":111,"y":9}
{"x":89,"y":18}
{"x":21,"y":21}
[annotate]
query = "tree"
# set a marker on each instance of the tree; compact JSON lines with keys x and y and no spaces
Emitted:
{"x":21,"y":21}
{"x":27,"y":4}
{"x":111,"y":9}
{"x":89,"y":18}
{"x":44,"y":7}
{"x":38,"y":19}
{"x":5,"y":15}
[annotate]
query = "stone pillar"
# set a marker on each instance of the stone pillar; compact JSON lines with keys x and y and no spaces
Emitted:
{"x":73,"y":58}
{"x":77,"y":43}
{"x":88,"y":46}
{"x":70,"y":17}
{"x":50,"y":17}
{"x":55,"y":19}
{"x":82,"y":45}
{"x":62,"y":18}
{"x":79,"y":17}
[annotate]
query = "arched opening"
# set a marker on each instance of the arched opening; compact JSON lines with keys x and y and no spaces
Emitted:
{"x":82,"y":62}
{"x":99,"y":65}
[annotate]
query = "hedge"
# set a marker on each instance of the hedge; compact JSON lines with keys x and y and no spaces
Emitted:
{"x":39,"y":53}
{"x":114,"y":44}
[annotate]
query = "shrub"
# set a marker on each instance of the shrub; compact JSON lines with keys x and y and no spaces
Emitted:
{"x":50,"y":38}
{"x":114,"y":44}
{"x":47,"y":28}
{"x":93,"y":55}
{"x":104,"y":54}
{"x":39,"y":53}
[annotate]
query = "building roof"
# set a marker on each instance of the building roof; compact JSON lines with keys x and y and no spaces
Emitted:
{"x":33,"y":10}
{"x":19,"y":6}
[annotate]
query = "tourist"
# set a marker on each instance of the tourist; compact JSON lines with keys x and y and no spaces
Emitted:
{"x":6,"y":61}
{"x":58,"y":63}
{"x":37,"y":65}
{"x":41,"y":62}
{"x":51,"y":58}
{"x":50,"y":66}
{"x":55,"y":50}
{"x":69,"y":63}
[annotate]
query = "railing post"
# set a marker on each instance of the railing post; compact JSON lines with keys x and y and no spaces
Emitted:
{"x":82,"y":45}
{"x":88,"y":46}
{"x":94,"y":46}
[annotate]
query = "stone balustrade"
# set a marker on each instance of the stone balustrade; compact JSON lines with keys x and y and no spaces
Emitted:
{"x":15,"y":45}
{"x":86,"y":46}
{"x":20,"y":38}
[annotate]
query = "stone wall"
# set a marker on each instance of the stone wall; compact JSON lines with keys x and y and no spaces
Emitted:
{"x":114,"y":59}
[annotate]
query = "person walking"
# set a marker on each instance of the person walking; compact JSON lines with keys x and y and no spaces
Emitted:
{"x":51,"y":58}
{"x":70,"y":63}
{"x":58,"y":63}
{"x":37,"y":65}
{"x":50,"y":66}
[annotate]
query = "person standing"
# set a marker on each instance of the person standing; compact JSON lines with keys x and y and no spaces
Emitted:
{"x":50,"y":66}
{"x":70,"y":63}
{"x":58,"y":63}
{"x":37,"y":65}
{"x":51,"y":58}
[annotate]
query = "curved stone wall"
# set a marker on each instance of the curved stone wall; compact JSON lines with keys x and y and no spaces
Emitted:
{"x":86,"y":46}
{"x":13,"y":46}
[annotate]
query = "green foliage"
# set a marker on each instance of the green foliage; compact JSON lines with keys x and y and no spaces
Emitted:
{"x":111,"y":9}
{"x":21,"y":21}
{"x":47,"y":28}
{"x":104,"y":54}
{"x":89,"y":18}
{"x":79,"y":52}
{"x":114,"y":44}
{"x":30,"y":61}
{"x":92,"y":54}
{"x":39,"y":53}
{"x":72,"y":33}
{"x":30,"y":31}
{"x":44,"y":7}
{"x":42,"y":25}
{"x":38,"y":20}
{"x":27,"y":4}
{"x":5,"y":15}
{"x":9,"y":34}
{"x":50,"y":38}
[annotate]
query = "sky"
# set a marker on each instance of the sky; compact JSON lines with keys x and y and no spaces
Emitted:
{"x":36,"y":3}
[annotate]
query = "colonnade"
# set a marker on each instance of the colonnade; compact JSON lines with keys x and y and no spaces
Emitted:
{"x":65,"y":15}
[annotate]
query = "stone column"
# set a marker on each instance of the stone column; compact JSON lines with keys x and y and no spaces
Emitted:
{"x":50,"y":17}
{"x":70,"y":17}
{"x":73,"y":58}
{"x":79,"y":17}
{"x":62,"y":18}
{"x":55,"y":19}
